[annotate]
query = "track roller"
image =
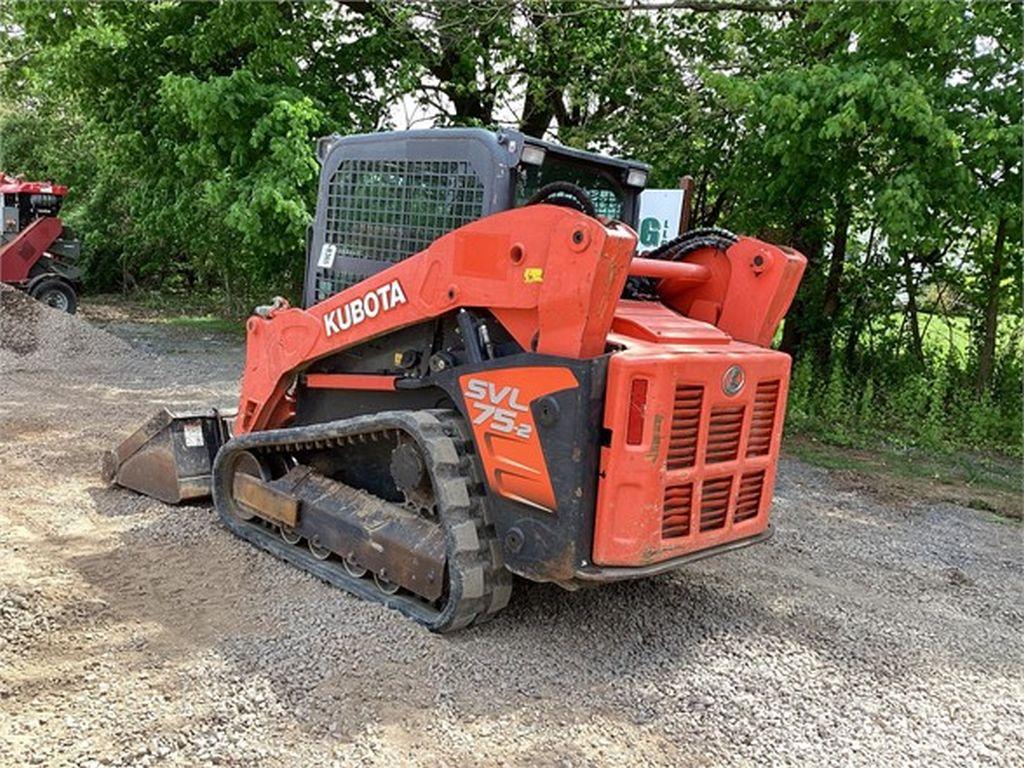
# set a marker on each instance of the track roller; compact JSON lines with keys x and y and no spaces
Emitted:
{"x":353,"y":568}
{"x":385,"y":586}
{"x":319,"y":552}
{"x":289,"y":535}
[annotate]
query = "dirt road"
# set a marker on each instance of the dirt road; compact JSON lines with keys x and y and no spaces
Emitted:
{"x":132,"y":633}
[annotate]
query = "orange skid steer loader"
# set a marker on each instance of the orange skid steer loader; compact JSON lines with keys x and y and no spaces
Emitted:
{"x":485,"y":379}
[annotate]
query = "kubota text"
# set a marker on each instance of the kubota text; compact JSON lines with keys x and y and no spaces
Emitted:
{"x":369,"y":305}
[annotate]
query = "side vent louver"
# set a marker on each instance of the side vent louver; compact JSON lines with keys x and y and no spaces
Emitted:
{"x":675,"y":519}
{"x":763,"y":420}
{"x":724,"y":434}
{"x":682,"y":444}
{"x":748,"y":501}
{"x":714,"y":503}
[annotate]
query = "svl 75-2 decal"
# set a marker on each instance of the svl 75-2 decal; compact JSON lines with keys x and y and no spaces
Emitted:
{"x":498,"y":405}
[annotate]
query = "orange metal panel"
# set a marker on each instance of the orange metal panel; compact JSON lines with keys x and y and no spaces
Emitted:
{"x":551,"y":275}
{"x":350,"y":381}
{"x":703,"y":473}
{"x":498,"y":403}
{"x":749,"y":290}
{"x":653,"y":321}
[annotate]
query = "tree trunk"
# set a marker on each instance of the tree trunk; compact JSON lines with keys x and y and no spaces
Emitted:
{"x":910,"y":284}
{"x":471,"y":106}
{"x":699,"y":199}
{"x":987,"y":354}
{"x":833,"y":282}
{"x":537,"y":113}
{"x":807,"y":240}
{"x":793,"y":333}
{"x":857,"y":321}
{"x":716,"y":210}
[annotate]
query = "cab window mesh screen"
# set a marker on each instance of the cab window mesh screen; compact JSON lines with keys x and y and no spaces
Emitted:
{"x":330,"y":281}
{"x":387,"y":210}
{"x":607,"y":196}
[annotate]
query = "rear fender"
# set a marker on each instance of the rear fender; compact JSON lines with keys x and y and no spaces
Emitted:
{"x":46,"y":268}
{"x":536,"y":424}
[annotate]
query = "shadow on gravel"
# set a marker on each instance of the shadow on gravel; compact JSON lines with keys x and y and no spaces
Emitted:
{"x":329,"y":658}
{"x":185,"y":574}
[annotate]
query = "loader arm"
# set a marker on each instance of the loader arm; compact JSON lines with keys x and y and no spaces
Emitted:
{"x":550,"y":275}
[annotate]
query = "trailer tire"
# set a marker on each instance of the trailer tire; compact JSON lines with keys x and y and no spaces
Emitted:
{"x":55,"y":292}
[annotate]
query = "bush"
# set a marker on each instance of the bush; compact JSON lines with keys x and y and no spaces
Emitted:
{"x":903,"y":402}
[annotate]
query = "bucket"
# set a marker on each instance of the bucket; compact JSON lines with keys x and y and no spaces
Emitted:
{"x":170,"y":457}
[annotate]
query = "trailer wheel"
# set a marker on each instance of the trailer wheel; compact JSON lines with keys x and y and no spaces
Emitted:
{"x":56,"y":293}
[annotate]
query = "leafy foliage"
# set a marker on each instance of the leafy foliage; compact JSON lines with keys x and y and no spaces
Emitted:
{"x":890,"y":398}
{"x":881,"y":139}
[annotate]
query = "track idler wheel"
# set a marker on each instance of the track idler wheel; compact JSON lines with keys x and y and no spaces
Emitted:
{"x":246,"y":463}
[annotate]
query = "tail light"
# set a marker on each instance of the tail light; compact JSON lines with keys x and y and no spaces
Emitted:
{"x":637,"y":410}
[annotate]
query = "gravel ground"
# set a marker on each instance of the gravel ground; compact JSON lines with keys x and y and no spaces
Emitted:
{"x":131,"y":633}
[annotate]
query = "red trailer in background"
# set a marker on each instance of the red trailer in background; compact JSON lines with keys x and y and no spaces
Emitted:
{"x":37,"y":253}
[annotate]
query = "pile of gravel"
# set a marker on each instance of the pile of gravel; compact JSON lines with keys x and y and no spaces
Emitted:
{"x":34,"y":336}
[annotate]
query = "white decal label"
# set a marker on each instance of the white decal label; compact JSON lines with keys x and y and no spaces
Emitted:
{"x":660,"y":212}
{"x":193,"y":432}
{"x":327,"y":254}
{"x":367,"y":306}
{"x":497,"y":407}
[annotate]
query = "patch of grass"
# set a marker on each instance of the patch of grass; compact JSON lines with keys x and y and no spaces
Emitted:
{"x":206,"y":324}
{"x":941,"y":333}
{"x":152,"y":308}
{"x":971,"y":469}
{"x":149,"y":304}
{"x":991,"y":483}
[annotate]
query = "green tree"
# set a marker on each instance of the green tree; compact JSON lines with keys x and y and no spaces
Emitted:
{"x":198,"y":121}
{"x":880,"y":139}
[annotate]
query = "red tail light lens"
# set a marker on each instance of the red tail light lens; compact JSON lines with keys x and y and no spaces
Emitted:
{"x":637,"y":411}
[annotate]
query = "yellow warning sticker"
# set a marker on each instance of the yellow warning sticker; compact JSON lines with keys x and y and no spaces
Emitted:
{"x":533,"y":275}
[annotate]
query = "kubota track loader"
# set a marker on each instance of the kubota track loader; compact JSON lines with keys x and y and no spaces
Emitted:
{"x":485,"y":379}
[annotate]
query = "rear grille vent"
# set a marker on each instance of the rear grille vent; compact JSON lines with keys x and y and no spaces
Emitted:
{"x":714,"y":503}
{"x":748,"y":502}
{"x":675,"y":520}
{"x":682,"y":445}
{"x":724,"y":434}
{"x":763,"y":420}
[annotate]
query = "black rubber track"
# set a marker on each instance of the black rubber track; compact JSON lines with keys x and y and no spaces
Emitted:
{"x":478,"y":583}
{"x":691,"y":240}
